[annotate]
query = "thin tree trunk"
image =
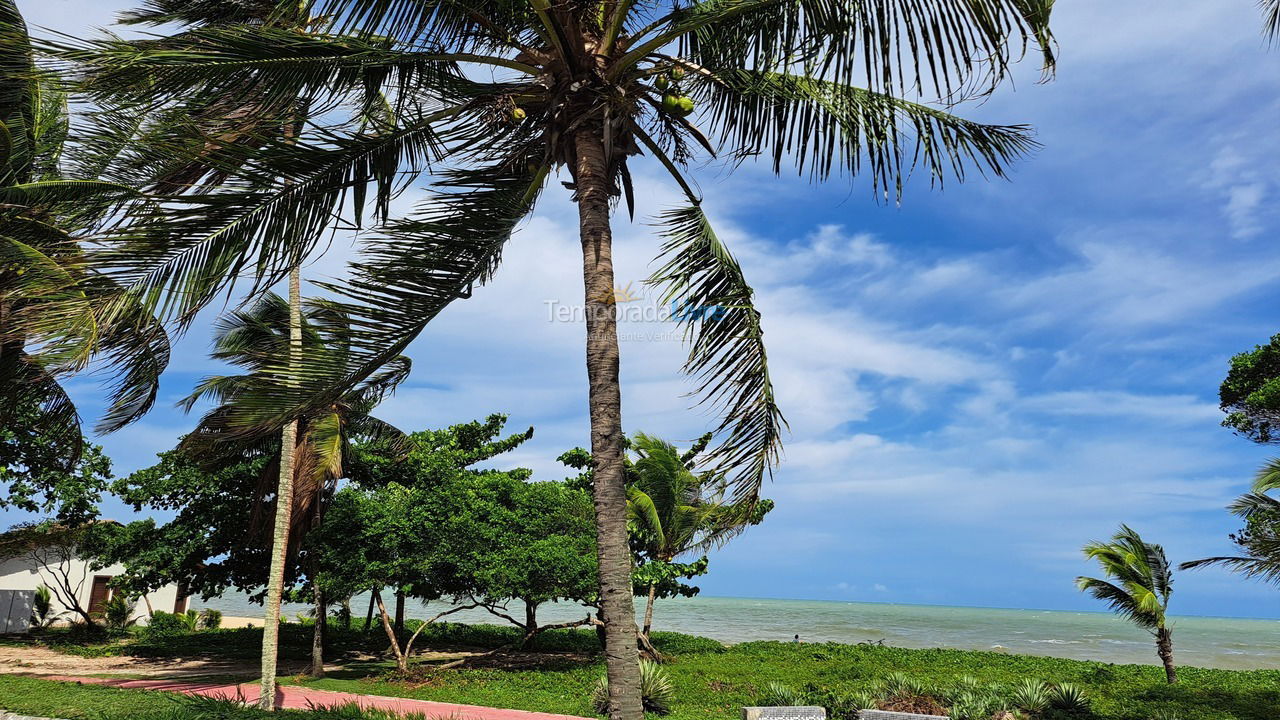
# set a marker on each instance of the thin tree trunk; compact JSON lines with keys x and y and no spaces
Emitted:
{"x":402,"y":661}
{"x":399,"y":612}
{"x":284,"y":511}
{"x":1164,"y":648}
{"x":317,"y":637}
{"x":646,"y":645}
{"x":648,"y":608}
{"x":368,"y":618}
{"x":621,"y":656}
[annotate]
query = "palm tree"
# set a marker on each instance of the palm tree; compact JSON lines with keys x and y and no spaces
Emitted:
{"x":267,"y":341}
{"x":228,"y":120}
{"x":1260,"y":538}
{"x":1143,"y":582}
{"x":585,"y":87}
{"x":51,"y":321}
{"x":675,"y":511}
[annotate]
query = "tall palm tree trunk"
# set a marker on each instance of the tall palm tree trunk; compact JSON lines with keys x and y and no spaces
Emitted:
{"x":1164,"y":648}
{"x":284,"y":511}
{"x":614,"y":552}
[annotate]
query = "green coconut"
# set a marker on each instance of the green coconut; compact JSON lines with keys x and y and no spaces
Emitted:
{"x":518,"y":114}
{"x":670,"y":103}
{"x":677,"y":73}
{"x":684,"y":105}
{"x":662,"y":82}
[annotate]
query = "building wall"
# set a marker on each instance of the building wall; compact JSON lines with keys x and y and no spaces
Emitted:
{"x":23,"y":573}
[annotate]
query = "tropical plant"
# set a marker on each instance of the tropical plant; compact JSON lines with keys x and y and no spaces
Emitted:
{"x":656,"y":691}
{"x":1272,"y":10}
{"x":52,"y":320}
{"x":776,"y":694}
{"x":1259,"y":540}
{"x":1069,"y":698}
{"x":42,"y":614}
{"x":118,"y":612}
{"x":1031,"y":696}
{"x":268,"y":341}
{"x":1143,"y":583}
{"x":210,"y":619}
{"x":676,"y":511}
{"x":586,"y":87}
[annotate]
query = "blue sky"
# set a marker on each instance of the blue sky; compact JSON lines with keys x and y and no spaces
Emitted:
{"x":979,"y":380}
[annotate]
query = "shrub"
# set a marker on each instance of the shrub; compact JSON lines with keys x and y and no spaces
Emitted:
{"x":776,"y":694}
{"x":674,"y":643}
{"x":1030,"y":696}
{"x":655,"y":690}
{"x":210,"y":619}
{"x":1068,"y":698}
{"x":164,"y":625}
{"x":117,"y":613}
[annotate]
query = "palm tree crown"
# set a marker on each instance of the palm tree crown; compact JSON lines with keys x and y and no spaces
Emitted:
{"x":243,"y":418}
{"x":1140,"y":578}
{"x":394,"y":88}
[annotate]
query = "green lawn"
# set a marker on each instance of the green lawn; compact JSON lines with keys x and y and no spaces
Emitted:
{"x":711,"y":682}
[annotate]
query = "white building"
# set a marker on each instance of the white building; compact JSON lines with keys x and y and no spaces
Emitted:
{"x":71,"y":582}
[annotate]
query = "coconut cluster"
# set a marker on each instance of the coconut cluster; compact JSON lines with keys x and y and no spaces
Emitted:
{"x":672,"y":101}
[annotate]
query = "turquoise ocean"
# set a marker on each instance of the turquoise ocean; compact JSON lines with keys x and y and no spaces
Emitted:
{"x":1201,"y":641}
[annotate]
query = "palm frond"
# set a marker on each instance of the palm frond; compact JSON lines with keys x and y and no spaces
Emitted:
{"x":830,"y":127}
{"x":1271,"y":9}
{"x":179,"y":255}
{"x":1267,"y":477}
{"x":955,"y":48}
{"x":710,"y":297}
{"x":1265,"y":568}
{"x":1118,"y":599}
{"x":265,"y":67}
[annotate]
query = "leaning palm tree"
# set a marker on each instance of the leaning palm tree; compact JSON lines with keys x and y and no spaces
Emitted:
{"x":1139,"y":585}
{"x":177,"y":153}
{"x":494,"y":96}
{"x":266,"y":342}
{"x":677,"y":511}
{"x":1259,"y":541}
{"x":51,"y":323}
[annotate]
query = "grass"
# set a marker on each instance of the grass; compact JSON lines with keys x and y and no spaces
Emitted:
{"x":712,"y":681}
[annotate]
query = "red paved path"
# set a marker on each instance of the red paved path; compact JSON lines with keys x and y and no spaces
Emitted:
{"x":302,"y":698}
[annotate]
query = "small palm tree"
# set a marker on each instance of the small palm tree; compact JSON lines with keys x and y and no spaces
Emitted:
{"x":1143,"y":582}
{"x":676,"y":511}
{"x":268,"y":341}
{"x":259,"y":341}
{"x":1260,"y":538}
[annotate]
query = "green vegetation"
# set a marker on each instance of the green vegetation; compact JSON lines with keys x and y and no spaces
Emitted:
{"x":710,"y":682}
{"x":1259,"y":539}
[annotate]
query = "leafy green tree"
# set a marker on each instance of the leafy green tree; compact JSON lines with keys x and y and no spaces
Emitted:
{"x":1143,"y":582}
{"x":586,"y":87}
{"x":33,"y":466}
{"x":1250,"y":394}
{"x":677,"y":511}
{"x":1259,"y":539}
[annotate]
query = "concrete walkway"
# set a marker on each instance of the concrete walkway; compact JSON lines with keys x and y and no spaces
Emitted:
{"x":301,"y":698}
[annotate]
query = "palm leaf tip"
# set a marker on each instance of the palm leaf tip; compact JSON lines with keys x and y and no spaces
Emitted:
{"x":705,"y":287}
